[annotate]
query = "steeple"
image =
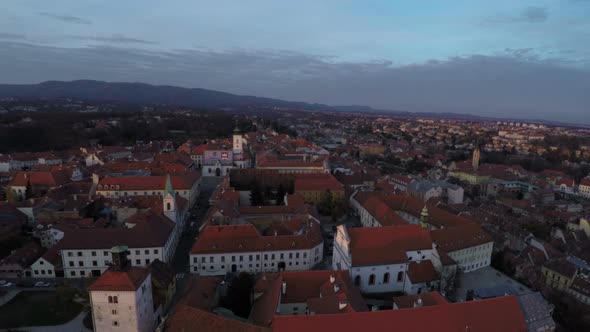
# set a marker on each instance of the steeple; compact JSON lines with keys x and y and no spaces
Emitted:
{"x":237,"y":140}
{"x":424,"y":218}
{"x":476,"y":156}
{"x":169,"y":200}
{"x":169,"y":189}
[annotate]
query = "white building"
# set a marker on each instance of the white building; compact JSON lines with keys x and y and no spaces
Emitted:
{"x":242,"y":248}
{"x":468,"y":245}
{"x":388,"y":259}
{"x":121,"y":299}
{"x":584,"y":187}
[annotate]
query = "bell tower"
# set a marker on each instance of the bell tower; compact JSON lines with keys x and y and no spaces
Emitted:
{"x":169,"y":198}
{"x":476,"y":156}
{"x":237,"y":140}
{"x":424,"y":218}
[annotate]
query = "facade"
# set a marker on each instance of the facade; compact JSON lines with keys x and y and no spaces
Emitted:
{"x":187,"y":186}
{"x":468,"y":245}
{"x":388,"y":259}
{"x":559,"y":274}
{"x":121,"y":299}
{"x":242,"y":248}
{"x":584,"y":188}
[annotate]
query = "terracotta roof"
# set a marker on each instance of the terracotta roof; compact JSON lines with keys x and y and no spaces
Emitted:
{"x":187,"y":319}
{"x":202,"y":292}
{"x":127,"y":183}
{"x":427,"y":299}
{"x":151,"y":230}
{"x":562,"y":267}
{"x":122,"y":281}
{"x":243,"y":238}
{"x":480,"y":316}
{"x":461,"y":237}
{"x":386,"y":245}
{"x":327,"y":182}
{"x":41,"y":179}
{"x":382,"y":212}
{"x":423,"y":271}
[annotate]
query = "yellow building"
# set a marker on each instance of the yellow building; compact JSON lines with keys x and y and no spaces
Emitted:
{"x":559,"y":274}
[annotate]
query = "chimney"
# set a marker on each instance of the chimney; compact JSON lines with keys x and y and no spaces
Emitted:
{"x":119,"y":256}
{"x":418,"y":303}
{"x":75,"y":197}
{"x":342,"y":305}
{"x":25,"y":175}
{"x":284,"y":288}
{"x":336,"y":288}
{"x":332,"y":278}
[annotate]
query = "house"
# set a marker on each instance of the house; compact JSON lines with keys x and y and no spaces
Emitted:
{"x":294,"y":245}
{"x":468,"y":245}
{"x":388,"y":258}
{"x":559,"y":273}
{"x":314,"y":187}
{"x":121,"y":299}
{"x":38,"y":182}
{"x":584,"y":187}
{"x":16,"y":265}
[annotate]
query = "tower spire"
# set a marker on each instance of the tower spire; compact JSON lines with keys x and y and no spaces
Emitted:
{"x":424,"y":218}
{"x":168,"y":189}
{"x":476,"y":156}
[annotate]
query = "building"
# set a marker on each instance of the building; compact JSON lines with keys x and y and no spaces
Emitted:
{"x":388,"y":259}
{"x":293,"y":245}
{"x":559,"y":273}
{"x":467,"y":245}
{"x":315,"y":187}
{"x":121,"y":299}
{"x":584,"y":187}
{"x":187,"y":186}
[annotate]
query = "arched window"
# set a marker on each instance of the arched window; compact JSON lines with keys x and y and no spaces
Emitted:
{"x":372,"y":279}
{"x":400,"y":276}
{"x":386,"y":278}
{"x":357,"y":280}
{"x":168,"y":206}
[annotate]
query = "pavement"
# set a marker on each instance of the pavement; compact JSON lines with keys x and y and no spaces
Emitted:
{"x":485,"y":278}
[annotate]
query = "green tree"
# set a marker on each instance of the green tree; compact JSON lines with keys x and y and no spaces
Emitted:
{"x":325,"y":204}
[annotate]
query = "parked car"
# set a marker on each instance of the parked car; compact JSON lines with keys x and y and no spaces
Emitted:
{"x":42,"y":284}
{"x":4,"y":283}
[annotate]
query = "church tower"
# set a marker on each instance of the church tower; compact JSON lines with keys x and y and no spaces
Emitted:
{"x":476,"y":156}
{"x":424,"y":218}
{"x":237,"y":140}
{"x":169,"y":198}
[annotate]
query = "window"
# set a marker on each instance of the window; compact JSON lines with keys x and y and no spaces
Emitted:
{"x":42,"y":271}
{"x":290,"y":255}
{"x":400,"y":276}
{"x":272,"y":256}
{"x":93,"y":253}
{"x":80,"y":263}
{"x":115,"y":299}
{"x":241,"y":258}
{"x":257,"y":257}
{"x":203,"y":260}
{"x":155,"y":251}
{"x":357,"y":281}
{"x":386,"y":278}
{"x":71,"y":264}
{"x":115,"y":323}
{"x":94,"y":263}
{"x":223,"y":259}
{"x":82,"y":273}
{"x":147,"y":252}
{"x":297,"y":255}
{"x":105,"y":253}
{"x":304,"y":255}
{"x":36,"y":272}
{"x":372,"y":279}
{"x":282,"y":255}
{"x":233,"y":258}
{"x":147,"y":261}
{"x":138,"y":262}
{"x":211,"y":259}
{"x":137,"y":252}
{"x":73,"y":273}
{"x":250,"y":258}
{"x":70,"y":254}
{"x":110,"y":299}
{"x":195,"y":260}
{"x":114,"y":311}
{"x":79,"y":254}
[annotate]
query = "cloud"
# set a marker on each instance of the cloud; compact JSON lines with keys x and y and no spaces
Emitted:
{"x":8,"y":35}
{"x":66,"y":18}
{"x":533,"y":14}
{"x":514,"y":83}
{"x":116,"y":38}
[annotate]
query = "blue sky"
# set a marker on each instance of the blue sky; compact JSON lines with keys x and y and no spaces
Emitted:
{"x":337,"y":52}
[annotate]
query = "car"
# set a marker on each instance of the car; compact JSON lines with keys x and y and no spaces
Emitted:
{"x":6,"y":284}
{"x":42,"y":284}
{"x":2,"y":282}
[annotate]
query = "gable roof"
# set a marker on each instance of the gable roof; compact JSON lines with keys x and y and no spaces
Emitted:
{"x":123,"y":281}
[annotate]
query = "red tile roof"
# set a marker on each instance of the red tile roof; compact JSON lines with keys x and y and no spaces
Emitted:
{"x":188,"y":319}
{"x":127,"y":183}
{"x":242,"y":238}
{"x":493,"y":315}
{"x":120,"y":281}
{"x":461,"y":237}
{"x":419,"y":272}
{"x":41,"y":179}
{"x":386,"y":245}
{"x":427,"y":299}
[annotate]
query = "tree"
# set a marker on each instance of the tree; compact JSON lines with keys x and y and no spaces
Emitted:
{"x":256,"y":196}
{"x":238,"y":295}
{"x":28,"y":190}
{"x":281,"y":192}
{"x":325,"y":204}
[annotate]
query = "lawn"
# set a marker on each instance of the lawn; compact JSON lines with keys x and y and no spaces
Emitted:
{"x":30,"y":308}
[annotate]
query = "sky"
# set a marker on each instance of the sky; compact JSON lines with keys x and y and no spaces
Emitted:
{"x":503,"y":58}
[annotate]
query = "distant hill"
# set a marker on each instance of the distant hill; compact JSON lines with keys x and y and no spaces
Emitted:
{"x":151,"y":94}
{"x":141,"y":93}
